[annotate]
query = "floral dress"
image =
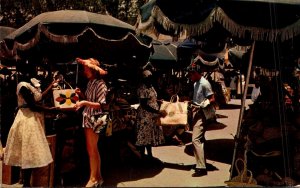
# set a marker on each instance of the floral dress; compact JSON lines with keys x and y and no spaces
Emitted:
{"x":27,"y":146}
{"x":148,"y":133}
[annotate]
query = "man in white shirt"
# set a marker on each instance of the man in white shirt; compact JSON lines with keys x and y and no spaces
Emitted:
{"x":202,"y":94}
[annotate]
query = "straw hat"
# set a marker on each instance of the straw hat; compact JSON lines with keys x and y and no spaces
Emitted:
{"x":93,"y":64}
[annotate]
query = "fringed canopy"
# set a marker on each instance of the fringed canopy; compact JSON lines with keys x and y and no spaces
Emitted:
{"x":66,"y":39}
{"x":205,"y":62}
{"x":75,"y":32}
{"x":257,"y":20}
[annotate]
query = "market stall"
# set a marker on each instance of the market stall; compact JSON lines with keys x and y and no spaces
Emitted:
{"x":247,"y":22}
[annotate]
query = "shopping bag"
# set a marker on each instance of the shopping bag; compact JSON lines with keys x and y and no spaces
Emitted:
{"x":65,"y":98}
{"x":177,"y":112}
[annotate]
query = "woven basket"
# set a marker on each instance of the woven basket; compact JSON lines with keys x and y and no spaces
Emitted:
{"x":242,"y":179}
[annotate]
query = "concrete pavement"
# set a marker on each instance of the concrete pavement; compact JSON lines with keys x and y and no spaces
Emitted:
{"x":174,"y":164}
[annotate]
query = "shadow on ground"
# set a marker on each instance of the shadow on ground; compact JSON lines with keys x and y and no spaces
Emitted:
{"x":221,"y":116}
{"x":131,"y":171}
{"x":231,"y":107}
{"x":180,"y":166}
{"x":122,"y":164}
{"x":216,"y":126}
{"x":220,"y":150}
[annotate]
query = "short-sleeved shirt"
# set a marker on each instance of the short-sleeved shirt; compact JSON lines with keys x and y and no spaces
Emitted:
{"x":202,"y":89}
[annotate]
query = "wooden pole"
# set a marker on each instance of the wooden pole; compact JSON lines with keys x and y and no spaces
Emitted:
{"x":242,"y":108}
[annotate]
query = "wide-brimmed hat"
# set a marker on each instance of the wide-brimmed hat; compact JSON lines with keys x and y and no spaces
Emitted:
{"x":93,"y":64}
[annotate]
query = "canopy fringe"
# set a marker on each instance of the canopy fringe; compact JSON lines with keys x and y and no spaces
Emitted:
{"x":217,"y":14}
{"x":257,"y":33}
{"x":240,"y":31}
{"x":64,"y":39}
{"x":145,"y":26}
{"x":290,"y":31}
{"x":32,"y":42}
{"x":59,"y":38}
{"x":199,"y":28}
{"x":208,"y":63}
{"x":5,"y":52}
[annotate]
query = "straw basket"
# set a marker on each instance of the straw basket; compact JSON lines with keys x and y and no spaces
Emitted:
{"x":244,"y":177}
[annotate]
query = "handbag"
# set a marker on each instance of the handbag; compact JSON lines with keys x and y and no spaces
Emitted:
{"x":65,"y":98}
{"x":99,"y":122}
{"x":177,"y":112}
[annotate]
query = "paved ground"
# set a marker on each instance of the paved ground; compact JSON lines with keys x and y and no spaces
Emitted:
{"x":174,"y":164}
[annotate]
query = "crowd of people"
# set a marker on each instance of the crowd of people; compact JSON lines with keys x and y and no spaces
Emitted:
{"x":27,"y":147}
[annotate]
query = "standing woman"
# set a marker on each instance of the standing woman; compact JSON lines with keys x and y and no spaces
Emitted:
{"x":93,"y":102}
{"x":26,"y":145}
{"x":148,"y":133}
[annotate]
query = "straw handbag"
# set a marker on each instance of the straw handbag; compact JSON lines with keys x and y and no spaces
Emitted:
{"x":177,"y":112}
{"x":242,"y":179}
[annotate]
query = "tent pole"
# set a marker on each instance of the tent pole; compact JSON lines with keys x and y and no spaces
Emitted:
{"x":76,"y":75}
{"x":242,"y":108}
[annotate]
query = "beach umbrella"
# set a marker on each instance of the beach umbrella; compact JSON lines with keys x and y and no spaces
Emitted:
{"x":266,"y":20}
{"x":164,"y":54}
{"x":65,"y":34}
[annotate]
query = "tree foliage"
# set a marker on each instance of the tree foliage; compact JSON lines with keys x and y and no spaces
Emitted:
{"x":18,"y":12}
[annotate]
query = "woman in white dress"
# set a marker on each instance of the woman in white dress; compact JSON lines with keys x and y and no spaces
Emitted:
{"x":26,"y":145}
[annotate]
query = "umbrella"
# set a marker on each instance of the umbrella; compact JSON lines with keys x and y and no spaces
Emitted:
{"x":189,"y":48}
{"x":66,"y":34}
{"x":259,"y":20}
{"x":164,"y":54}
{"x":274,"y":21}
{"x":4,"y":31}
{"x":4,"y":57}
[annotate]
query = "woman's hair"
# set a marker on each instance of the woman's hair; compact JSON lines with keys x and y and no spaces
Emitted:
{"x":96,"y":73}
{"x":93,"y":71}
